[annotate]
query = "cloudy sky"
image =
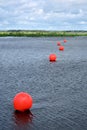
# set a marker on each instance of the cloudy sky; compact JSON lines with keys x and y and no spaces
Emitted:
{"x":43,"y":14}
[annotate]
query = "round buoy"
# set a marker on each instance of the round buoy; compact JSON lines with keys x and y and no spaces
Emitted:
{"x":65,"y":40}
{"x":61,"y":48}
{"x":22,"y":101}
{"x":52,"y":57}
{"x":58,"y":43}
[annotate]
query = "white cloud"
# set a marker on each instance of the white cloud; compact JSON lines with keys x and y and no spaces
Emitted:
{"x":83,"y":23}
{"x":46,"y":14}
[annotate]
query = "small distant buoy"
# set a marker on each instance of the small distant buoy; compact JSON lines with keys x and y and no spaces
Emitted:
{"x":65,"y":40}
{"x":58,"y":43}
{"x":61,"y":48}
{"x":22,"y":101}
{"x":52,"y":57}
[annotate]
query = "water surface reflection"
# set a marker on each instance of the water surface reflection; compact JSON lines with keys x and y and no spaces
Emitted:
{"x":22,"y":119}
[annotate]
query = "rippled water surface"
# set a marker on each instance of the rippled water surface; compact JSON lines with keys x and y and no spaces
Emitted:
{"x":58,"y":89}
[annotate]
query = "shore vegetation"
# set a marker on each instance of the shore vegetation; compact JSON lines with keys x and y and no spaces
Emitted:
{"x":40,"y":33}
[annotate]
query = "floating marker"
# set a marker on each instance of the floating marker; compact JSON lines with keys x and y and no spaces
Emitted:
{"x":22,"y":101}
{"x":58,"y":43}
{"x":52,"y":57}
{"x":61,"y":48}
{"x":65,"y":40}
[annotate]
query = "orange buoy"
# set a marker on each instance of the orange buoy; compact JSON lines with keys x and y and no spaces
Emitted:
{"x":65,"y":40}
{"x":22,"y":101}
{"x":52,"y":57}
{"x":61,"y":48}
{"x":58,"y":43}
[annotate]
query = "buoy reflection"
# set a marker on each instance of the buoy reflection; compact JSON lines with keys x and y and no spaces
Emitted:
{"x":22,"y":118}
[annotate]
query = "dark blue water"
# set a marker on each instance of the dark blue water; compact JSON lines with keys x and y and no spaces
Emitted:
{"x":58,"y":89}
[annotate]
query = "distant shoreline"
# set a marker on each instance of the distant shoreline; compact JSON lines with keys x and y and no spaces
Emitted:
{"x":37,"y":33}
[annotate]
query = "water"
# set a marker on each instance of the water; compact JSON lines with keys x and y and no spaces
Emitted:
{"x":58,"y":89}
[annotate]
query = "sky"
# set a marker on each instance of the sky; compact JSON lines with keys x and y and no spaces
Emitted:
{"x":43,"y":15}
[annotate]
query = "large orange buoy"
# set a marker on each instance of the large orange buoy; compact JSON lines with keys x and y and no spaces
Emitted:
{"x":58,"y":43}
{"x":22,"y":101}
{"x":52,"y":57}
{"x":61,"y":48}
{"x":65,"y":40}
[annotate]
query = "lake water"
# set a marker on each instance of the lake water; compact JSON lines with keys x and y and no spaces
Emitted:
{"x":58,"y":89}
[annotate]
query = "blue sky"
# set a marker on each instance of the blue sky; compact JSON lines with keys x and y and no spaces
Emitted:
{"x":43,"y":14}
